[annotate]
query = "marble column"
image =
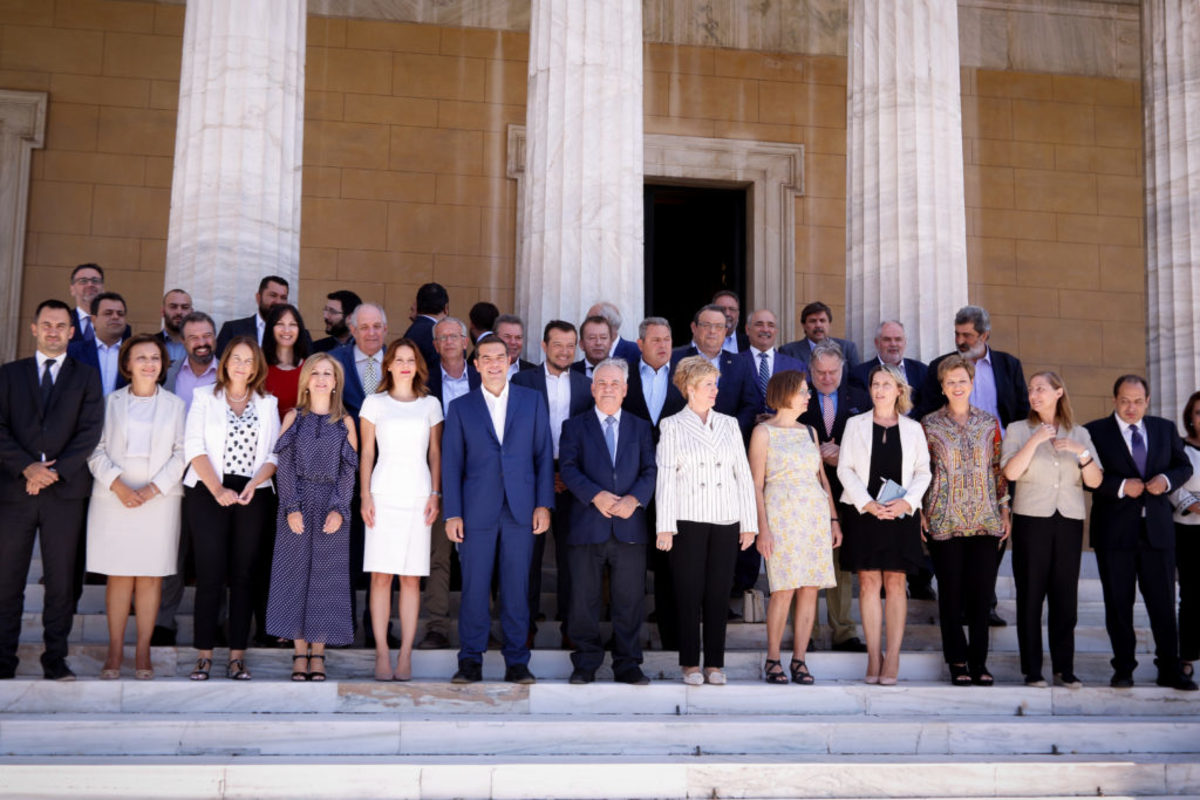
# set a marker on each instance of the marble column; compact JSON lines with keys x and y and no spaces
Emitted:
{"x":1171,"y":105}
{"x":582,"y":216}
{"x":22,"y":129}
{"x":235,"y":194}
{"x":906,"y":246}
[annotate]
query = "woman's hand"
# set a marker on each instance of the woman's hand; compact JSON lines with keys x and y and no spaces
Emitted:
{"x":368,"y":509}
{"x":898,"y":508}
{"x":877,"y":510}
{"x":148,"y":492}
{"x":128,"y":497}
{"x":1006,"y":517}
{"x":225,"y":496}
{"x":1043,"y":433}
{"x":431,"y":509}
{"x":295,"y":522}
{"x":247,"y":494}
{"x":1070,"y":445}
{"x":746,"y":540}
{"x":924,"y":527}
{"x":663,"y":541}
{"x":836,"y":531}
{"x":333,"y":521}
{"x":766,"y":542}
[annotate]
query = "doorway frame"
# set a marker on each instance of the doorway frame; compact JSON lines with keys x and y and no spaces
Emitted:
{"x":772,"y":173}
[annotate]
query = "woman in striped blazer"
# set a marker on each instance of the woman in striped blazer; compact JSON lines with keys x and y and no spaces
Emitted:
{"x":706,"y":511}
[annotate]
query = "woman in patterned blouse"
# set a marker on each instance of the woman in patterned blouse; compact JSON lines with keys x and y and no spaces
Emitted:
{"x":965,"y":518}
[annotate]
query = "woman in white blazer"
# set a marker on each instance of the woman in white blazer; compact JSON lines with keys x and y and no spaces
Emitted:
{"x":883,"y":450}
{"x":228,"y":497}
{"x":133,"y":516}
{"x":706,"y":510}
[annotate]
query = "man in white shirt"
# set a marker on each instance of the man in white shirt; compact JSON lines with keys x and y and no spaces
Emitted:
{"x":103,"y":350}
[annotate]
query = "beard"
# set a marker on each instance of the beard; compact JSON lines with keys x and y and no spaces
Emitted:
{"x":973,"y":353}
{"x":336,"y":329}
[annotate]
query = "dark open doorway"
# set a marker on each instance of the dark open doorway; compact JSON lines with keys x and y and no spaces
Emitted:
{"x":695,"y":246}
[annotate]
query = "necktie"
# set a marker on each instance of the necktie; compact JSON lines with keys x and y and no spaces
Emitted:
{"x":610,"y":437}
{"x":1137,"y":445}
{"x":370,"y":376}
{"x":764,"y":373}
{"x":827,"y":413}
{"x":47,"y":381}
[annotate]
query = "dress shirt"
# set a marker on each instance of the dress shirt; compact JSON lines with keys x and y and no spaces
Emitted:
{"x":452,"y":387}
{"x":188,"y":381}
{"x":360,"y":366}
{"x":515,"y":367}
{"x":655,"y":383}
{"x":730,"y":345}
{"x":498,"y":408}
{"x":600,"y":415}
{"x":715,"y":360}
{"x":139,"y":426}
{"x":260,"y":326}
{"x":983,"y":395}
{"x":42,"y":358}
{"x":175,"y":350}
{"x":107,"y":357}
{"x":899,"y":367}
{"x":1127,"y":435}
{"x":558,"y":395}
{"x":1053,"y":480}
{"x":85,"y":322}
{"x":758,"y":354}
{"x":821,"y":403}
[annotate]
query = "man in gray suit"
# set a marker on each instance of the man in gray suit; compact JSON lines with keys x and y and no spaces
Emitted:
{"x":816,"y":317}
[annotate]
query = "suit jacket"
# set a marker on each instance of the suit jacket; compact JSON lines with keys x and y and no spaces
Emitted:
{"x":206,"y":427}
{"x":476,"y":466}
{"x":166,"y":445}
{"x":802,"y":349}
{"x":854,"y":460}
{"x":77,"y":333}
{"x":635,"y":399}
{"x":914,"y":370}
{"x":421,"y":332}
{"x":703,"y":476}
{"x":84,"y":352}
{"x":581,"y":388}
{"x":850,"y":402}
{"x":353,"y":395}
{"x":743,"y":341}
{"x":66,"y":430}
{"x":435,"y":379}
{"x":248,"y":326}
{"x":1116,"y":521}
{"x":736,"y":395}
{"x":587,"y":469}
{"x":1012,"y":396}
{"x":329,"y":344}
{"x":781,"y":363}
{"x":627,"y":350}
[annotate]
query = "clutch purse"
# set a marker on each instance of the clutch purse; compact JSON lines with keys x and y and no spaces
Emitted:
{"x":890,"y":491}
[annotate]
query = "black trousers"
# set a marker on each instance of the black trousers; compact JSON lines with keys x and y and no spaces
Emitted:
{"x":1187,"y":562}
{"x":1045,"y":563}
{"x":703,"y":557}
{"x":59,"y":522}
{"x":226,"y":541}
{"x":966,"y":573}
{"x":627,"y":589}
{"x":1152,"y":570}
{"x":559,"y":526}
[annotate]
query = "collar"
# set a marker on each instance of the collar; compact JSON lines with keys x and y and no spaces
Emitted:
{"x":42,"y":358}
{"x":101,"y":346}
{"x":492,"y":398}
{"x":757,"y":353}
{"x":643,"y":366}
{"x":360,"y":356}
{"x":696,"y":417}
{"x":986,"y":357}
{"x":212,"y":367}
{"x":447,"y":376}
{"x":600,"y":415}
{"x":1123,"y":426}
{"x":550,"y":376}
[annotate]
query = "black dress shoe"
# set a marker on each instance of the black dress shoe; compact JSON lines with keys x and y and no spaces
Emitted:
{"x":634,"y":677}
{"x":851,"y":645}
{"x":519,"y":673}
{"x":995,"y":620}
{"x":1121,"y":680}
{"x":1176,"y":680}
{"x":434,"y":641}
{"x":468,"y":672}
{"x":7,"y":674}
{"x":582,"y":676}
{"x":162,"y":637}
{"x":58,"y":671}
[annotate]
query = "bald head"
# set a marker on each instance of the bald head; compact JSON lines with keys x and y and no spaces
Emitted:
{"x":763,"y":329}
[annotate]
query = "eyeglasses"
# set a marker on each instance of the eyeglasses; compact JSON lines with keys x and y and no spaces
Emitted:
{"x":89,"y":281}
{"x":333,"y":312}
{"x":448,"y":337}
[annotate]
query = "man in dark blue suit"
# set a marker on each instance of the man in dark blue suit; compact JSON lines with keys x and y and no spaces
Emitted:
{"x":433,"y":304}
{"x":272,"y":291}
{"x":607,"y":462}
{"x":736,"y":340}
{"x":1132,"y":529}
{"x":762,"y":360}
{"x":567,"y":393}
{"x":595,"y":334}
{"x":620,"y":348}
{"x":817,"y":318}
{"x":498,"y":483}
{"x":735,"y":388}
{"x":87,"y":281}
{"x":890,"y":344}
{"x":102,"y":351}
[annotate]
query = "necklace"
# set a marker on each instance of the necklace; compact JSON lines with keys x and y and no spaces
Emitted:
{"x":241,"y":399}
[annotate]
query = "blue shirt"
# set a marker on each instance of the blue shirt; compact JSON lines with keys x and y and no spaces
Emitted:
{"x":654,"y":387}
{"x":983,"y":395}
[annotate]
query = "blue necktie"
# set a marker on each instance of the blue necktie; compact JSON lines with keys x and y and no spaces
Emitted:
{"x":610,"y":437}
{"x":764,"y":373}
{"x":1137,"y":445}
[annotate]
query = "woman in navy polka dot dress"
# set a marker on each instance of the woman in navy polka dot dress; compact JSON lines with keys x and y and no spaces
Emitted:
{"x":309,"y":601}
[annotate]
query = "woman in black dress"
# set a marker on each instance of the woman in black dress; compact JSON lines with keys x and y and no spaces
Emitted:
{"x":884,"y":469}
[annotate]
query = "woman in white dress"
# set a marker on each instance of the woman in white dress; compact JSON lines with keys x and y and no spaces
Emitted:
{"x":133,"y":517}
{"x":400,"y":495}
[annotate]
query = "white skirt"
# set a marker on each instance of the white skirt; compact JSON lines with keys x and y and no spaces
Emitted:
{"x":399,"y":542}
{"x":142,"y":541}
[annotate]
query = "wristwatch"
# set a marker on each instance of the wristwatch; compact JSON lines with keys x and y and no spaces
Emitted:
{"x":1084,"y":456}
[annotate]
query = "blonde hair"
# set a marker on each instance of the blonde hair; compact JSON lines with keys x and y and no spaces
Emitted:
{"x":691,"y":370}
{"x":1062,"y":410}
{"x":337,"y":409}
{"x":904,"y":400}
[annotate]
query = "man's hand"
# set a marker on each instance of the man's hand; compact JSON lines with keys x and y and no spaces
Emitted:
{"x":40,"y":474}
{"x":1157,"y":485}
{"x":559,"y":486}
{"x":625,"y":507}
{"x":1134,"y":487}
{"x":541,"y":520}
{"x":829,"y":453}
{"x":604,"y":502}
{"x":454,"y":529}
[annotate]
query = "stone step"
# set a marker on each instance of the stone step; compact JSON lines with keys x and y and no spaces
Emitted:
{"x":357,"y":663}
{"x":673,"y":778}
{"x":850,"y":701}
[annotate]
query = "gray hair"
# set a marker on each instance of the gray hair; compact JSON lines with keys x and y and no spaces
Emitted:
{"x":611,"y":313}
{"x":879,"y":327}
{"x":827,"y":349}
{"x":648,"y":321}
{"x":976,"y":315}
{"x":509,"y":319}
{"x":353,"y":318}
{"x":461,"y":326}
{"x":617,"y":363}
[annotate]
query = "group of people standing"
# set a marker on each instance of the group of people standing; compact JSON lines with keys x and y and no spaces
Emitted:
{"x":361,"y":456}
